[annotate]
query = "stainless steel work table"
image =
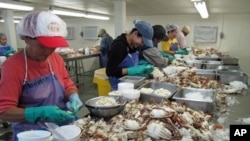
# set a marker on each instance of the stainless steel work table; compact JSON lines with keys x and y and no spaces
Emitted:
{"x":75,"y":66}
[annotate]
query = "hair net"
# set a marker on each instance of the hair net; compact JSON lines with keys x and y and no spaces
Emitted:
{"x":171,"y":27}
{"x":40,"y":24}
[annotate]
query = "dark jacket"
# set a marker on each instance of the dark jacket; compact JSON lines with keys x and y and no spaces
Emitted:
{"x":105,"y":44}
{"x":118,"y":51}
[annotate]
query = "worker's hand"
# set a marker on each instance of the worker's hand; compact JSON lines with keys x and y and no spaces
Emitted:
{"x":47,"y":113}
{"x":7,"y":53}
{"x":149,"y":69}
{"x":140,"y":70}
{"x":74,"y":104}
{"x":182,"y":51}
{"x":163,"y":54}
{"x":170,"y":57}
{"x":143,"y":62}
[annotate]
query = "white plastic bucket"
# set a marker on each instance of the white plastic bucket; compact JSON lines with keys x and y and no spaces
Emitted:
{"x":34,"y":135}
{"x":125,"y":86}
{"x":69,"y":132}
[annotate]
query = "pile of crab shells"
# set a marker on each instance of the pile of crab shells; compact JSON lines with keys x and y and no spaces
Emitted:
{"x":148,"y":122}
{"x":189,"y":78}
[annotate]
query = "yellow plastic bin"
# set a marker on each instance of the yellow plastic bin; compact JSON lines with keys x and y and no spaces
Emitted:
{"x":102,"y":82}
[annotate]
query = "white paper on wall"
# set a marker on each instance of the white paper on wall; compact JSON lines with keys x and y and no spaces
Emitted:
{"x":71,"y":33}
{"x":205,"y":34}
{"x":90,"y":32}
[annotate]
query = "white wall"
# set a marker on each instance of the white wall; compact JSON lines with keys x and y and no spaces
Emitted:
{"x":236,"y":30}
{"x":78,"y":23}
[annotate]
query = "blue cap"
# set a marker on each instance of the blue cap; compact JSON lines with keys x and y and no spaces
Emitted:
{"x":146,"y":30}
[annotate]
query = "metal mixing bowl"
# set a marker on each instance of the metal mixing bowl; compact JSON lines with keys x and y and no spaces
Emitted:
{"x":105,"y":111}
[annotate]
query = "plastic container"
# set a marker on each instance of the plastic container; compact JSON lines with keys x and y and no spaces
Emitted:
{"x":2,"y":59}
{"x":69,"y":132}
{"x":101,"y":74}
{"x":102,"y":82}
{"x":131,"y":94}
{"x":137,"y":80}
{"x":87,"y":51}
{"x":125,"y":86}
{"x":34,"y":135}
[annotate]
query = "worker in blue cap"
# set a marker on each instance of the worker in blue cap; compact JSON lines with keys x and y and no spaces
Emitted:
{"x":151,"y":54}
{"x":123,"y":56}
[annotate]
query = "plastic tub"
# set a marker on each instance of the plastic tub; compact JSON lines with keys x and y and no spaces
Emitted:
{"x":125,"y":86}
{"x":2,"y":59}
{"x":131,"y":94}
{"x":69,"y":132}
{"x":34,"y":135}
{"x":137,"y":80}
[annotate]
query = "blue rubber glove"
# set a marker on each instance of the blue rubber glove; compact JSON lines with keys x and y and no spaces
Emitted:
{"x":139,"y":70}
{"x":170,"y":57}
{"x":74,"y":104}
{"x":182,"y":51}
{"x":46,"y":113}
{"x":7,"y":53}
{"x":143,"y":62}
{"x":149,"y":69}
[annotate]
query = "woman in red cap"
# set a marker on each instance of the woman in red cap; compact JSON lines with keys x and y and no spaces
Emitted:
{"x":35,"y":86}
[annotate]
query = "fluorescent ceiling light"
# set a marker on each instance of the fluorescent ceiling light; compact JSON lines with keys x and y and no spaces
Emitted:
{"x":15,"y":21}
{"x":78,"y":14}
{"x":202,"y":9}
{"x":15,"y":6}
{"x":91,"y":16}
{"x":68,"y":13}
{"x":196,"y":0}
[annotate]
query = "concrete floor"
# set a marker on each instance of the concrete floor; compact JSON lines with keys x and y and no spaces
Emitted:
{"x":87,"y":91}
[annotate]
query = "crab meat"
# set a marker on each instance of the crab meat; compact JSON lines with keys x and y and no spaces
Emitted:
{"x":117,"y":128}
{"x":92,"y":129}
{"x":131,"y":124}
{"x":188,"y":117}
{"x":158,"y":113}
